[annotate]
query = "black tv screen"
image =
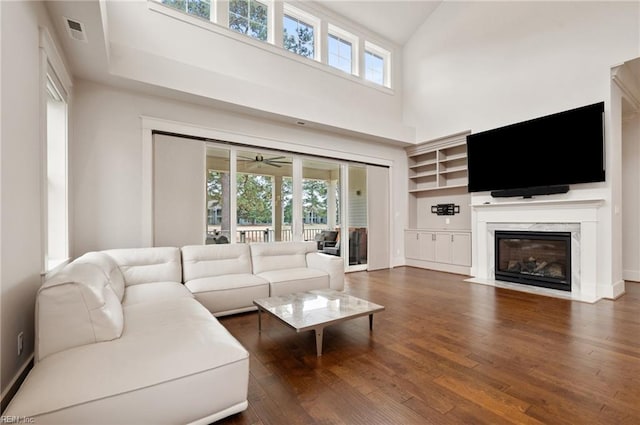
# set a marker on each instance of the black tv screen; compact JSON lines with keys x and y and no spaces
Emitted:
{"x":560,"y":149}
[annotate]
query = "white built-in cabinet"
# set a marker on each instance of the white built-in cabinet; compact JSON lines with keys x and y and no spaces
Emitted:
{"x":438,"y":175}
{"x":439,"y":246}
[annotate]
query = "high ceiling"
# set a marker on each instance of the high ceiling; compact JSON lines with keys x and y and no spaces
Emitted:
{"x":395,"y":20}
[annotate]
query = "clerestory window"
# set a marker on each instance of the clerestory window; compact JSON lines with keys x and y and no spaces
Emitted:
{"x":376,"y":65}
{"x":199,"y":8}
{"x":299,"y":32}
{"x":341,"y":50}
{"x":249,"y":17}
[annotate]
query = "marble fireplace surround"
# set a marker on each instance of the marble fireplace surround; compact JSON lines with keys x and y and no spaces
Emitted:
{"x":580,"y":217}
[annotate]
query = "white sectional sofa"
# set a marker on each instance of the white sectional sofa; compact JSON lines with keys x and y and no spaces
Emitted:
{"x":227,"y":278}
{"x":121,"y":338}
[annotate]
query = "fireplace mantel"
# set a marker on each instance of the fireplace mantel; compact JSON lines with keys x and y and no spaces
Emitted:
{"x":579,"y":214}
{"x":544,"y":203}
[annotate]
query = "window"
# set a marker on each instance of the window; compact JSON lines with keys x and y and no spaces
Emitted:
{"x":200,"y":8}
{"x":376,"y":65}
{"x":340,"y":52}
{"x":298,"y":32}
{"x":57,"y":240}
{"x":249,"y":17}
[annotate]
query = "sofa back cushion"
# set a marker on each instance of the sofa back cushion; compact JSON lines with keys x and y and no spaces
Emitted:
{"x":76,"y":306}
{"x":200,"y":261}
{"x":280,"y":255}
{"x":147,"y":265}
{"x":109,"y":267}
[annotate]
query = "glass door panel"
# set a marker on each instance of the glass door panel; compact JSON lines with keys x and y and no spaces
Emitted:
{"x":263,"y":182}
{"x":357,"y":217}
{"x":218,"y":196}
{"x":321,"y":204}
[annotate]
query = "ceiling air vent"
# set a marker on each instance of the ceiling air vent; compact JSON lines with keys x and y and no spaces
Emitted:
{"x":76,"y":30}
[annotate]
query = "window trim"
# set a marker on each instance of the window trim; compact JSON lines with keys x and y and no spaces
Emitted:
{"x":269,"y":6}
{"x":341,"y":34}
{"x":52,"y":68}
{"x":310,"y":20}
{"x":374,"y":49}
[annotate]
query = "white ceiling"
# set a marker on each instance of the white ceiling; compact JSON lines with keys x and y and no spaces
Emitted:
{"x":395,"y":20}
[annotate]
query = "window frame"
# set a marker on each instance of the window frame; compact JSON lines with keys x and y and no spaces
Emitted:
{"x":342,"y":35}
{"x":310,"y":20}
{"x":385,"y":55}
{"x":53,"y":73}
{"x":269,"y":24}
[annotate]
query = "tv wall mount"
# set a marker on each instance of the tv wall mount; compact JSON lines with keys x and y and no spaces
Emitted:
{"x":445,"y":209}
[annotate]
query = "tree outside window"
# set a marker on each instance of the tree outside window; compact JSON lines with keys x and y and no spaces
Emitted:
{"x":298,"y":36}
{"x":249,"y":17}
{"x":200,"y":8}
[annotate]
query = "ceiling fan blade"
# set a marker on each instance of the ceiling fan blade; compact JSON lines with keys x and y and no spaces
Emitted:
{"x":276,"y":158}
{"x":273,"y":164}
{"x":247,"y":159}
{"x":279,"y":162}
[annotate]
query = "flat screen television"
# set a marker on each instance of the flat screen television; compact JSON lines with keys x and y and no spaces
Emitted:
{"x":539,"y":156}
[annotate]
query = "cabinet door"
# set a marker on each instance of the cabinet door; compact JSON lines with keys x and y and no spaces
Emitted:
{"x":412,"y":245}
{"x":461,"y":249}
{"x":443,"y":247}
{"x":427,"y":246}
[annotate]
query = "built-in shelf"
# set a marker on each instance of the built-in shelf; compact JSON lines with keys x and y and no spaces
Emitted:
{"x":438,"y":164}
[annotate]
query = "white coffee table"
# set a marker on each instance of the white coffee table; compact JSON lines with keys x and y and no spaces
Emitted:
{"x":315,"y":310}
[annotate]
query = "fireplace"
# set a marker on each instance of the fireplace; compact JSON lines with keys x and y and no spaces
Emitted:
{"x":535,"y":258}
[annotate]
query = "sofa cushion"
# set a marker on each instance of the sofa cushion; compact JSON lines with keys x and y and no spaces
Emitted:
{"x":200,"y":261}
{"x":76,"y":306}
{"x":228,"y":294}
{"x":281,"y":255}
{"x":153,"y":292}
{"x":146,"y":265}
{"x":282,"y":282}
{"x":109,"y":267}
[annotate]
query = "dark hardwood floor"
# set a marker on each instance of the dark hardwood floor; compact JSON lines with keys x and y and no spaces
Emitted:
{"x":449,"y":352}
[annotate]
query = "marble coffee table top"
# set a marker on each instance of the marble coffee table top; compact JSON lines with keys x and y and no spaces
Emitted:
{"x":307,"y":310}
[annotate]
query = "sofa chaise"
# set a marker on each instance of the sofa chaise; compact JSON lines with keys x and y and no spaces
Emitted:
{"x":128,"y":336}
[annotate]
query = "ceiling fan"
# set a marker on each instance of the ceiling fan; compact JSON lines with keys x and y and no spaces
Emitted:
{"x":276,"y":161}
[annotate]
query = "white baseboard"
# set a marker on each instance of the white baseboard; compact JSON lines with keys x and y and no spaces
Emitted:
{"x":633,"y":275}
{"x":11,"y":389}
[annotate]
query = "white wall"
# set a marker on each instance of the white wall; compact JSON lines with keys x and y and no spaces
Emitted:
{"x":107,"y":152}
{"x":481,"y":65}
{"x":21,"y":244}
{"x":220,"y":65}
{"x":631,"y":197}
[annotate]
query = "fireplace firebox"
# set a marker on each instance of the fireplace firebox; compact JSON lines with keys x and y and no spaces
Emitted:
{"x":534,"y":258}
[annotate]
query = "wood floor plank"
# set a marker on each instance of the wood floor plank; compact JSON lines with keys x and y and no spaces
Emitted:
{"x":445,"y":351}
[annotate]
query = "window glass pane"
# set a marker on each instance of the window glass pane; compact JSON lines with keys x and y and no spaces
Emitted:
{"x":56,"y":172}
{"x":357,"y":224}
{"x":298,"y":36}
{"x":258,"y":20}
{"x":262,"y":184}
{"x":374,"y":68}
{"x":200,"y":8}
{"x":249,"y":17}
{"x":321,"y":204}
{"x":340,"y":53}
{"x":218,"y":196}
